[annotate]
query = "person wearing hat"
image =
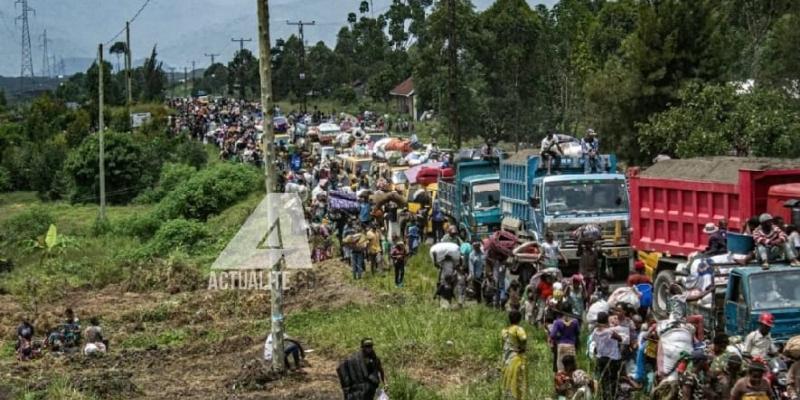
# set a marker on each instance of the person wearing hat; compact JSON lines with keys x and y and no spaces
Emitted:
{"x":759,"y":342}
{"x":771,"y":241}
{"x":639,"y":275}
{"x":753,"y":386}
{"x":717,"y":240}
{"x":693,"y":381}
{"x":590,"y":146}
{"x":361,"y":374}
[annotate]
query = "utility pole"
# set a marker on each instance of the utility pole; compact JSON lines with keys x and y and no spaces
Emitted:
{"x":185,"y":80}
{"x":128,"y":64}
{"x":192,"y":74}
{"x":300,"y":24}
{"x":27,"y":55}
{"x":241,"y":42}
{"x":101,"y":125}
{"x":268,"y":143}
{"x":452,"y":72}
{"x":171,"y":81}
{"x":212,"y":56}
{"x":45,"y":55}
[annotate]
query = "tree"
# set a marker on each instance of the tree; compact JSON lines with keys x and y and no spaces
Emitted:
{"x":112,"y":90}
{"x":780,"y":63}
{"x":214,"y":79}
{"x":431,"y":76}
{"x":718,"y":120}
{"x":3,"y":101}
{"x":510,"y":37}
{"x":117,"y":49}
{"x":243,"y":74}
{"x":126,"y":169}
{"x":152,"y":79}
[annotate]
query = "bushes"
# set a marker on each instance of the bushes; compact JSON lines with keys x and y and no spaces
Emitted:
{"x":209,"y":191}
{"x":171,"y":176}
{"x":126,"y":169}
{"x":177,"y":233}
{"x":204,"y":193}
{"x":26,"y":225}
{"x":192,"y":153}
{"x":5,"y":180}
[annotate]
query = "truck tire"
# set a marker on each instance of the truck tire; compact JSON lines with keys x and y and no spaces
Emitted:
{"x":664,"y":280}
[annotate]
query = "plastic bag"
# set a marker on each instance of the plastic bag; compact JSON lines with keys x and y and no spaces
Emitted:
{"x":624,"y":295}
{"x":382,"y":395}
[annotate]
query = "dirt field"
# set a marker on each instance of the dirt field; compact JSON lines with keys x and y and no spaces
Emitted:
{"x":217,"y":357}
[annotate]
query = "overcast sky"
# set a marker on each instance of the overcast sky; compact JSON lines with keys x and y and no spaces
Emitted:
{"x":184,"y":30}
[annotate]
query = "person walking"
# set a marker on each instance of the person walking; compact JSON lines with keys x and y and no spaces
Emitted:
{"x":607,"y":349}
{"x":361,"y":374}
{"x":374,"y":250}
{"x":399,"y":253}
{"x":515,"y":375}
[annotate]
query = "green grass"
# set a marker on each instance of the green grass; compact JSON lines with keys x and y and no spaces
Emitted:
{"x":411,"y":331}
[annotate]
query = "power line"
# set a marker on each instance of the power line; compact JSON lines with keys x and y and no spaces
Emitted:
{"x":130,"y":21}
{"x":241,"y":42}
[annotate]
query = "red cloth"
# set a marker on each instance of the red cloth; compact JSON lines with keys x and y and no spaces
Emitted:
{"x":545,"y":289}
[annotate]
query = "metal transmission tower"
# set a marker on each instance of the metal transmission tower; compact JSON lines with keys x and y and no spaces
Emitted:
{"x":27,"y":55}
{"x":46,"y":72}
{"x":212,"y":56}
{"x":301,"y":24}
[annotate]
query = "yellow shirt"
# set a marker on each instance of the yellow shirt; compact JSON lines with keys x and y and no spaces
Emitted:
{"x":374,"y":242}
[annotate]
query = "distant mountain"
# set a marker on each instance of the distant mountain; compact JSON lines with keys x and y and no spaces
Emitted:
{"x":183,"y":30}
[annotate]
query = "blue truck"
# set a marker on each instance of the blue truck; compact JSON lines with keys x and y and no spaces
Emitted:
{"x":533,"y":203}
{"x":742,"y":293}
{"x":471,"y":199}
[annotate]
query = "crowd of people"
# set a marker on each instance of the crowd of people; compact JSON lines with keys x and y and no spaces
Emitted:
{"x":65,"y":338}
{"x":358,"y":215}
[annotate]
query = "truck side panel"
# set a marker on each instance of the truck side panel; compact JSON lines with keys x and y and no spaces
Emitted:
{"x":668,"y":215}
{"x":447,"y":197}
{"x":514,"y":190}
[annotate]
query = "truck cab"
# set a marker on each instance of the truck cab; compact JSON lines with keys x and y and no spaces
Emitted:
{"x":744,"y":292}
{"x":472,"y":199}
{"x":534,"y":203}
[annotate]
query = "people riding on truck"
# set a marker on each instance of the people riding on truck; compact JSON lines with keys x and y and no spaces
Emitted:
{"x":758,"y":343}
{"x":551,"y":151}
{"x":771,"y":242}
{"x":590,"y":145}
{"x":717,"y":238}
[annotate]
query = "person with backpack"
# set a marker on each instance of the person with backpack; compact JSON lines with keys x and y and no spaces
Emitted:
{"x":437,"y":222}
{"x":361,"y":374}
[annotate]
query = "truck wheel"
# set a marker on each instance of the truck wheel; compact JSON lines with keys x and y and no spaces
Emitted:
{"x":664,"y":280}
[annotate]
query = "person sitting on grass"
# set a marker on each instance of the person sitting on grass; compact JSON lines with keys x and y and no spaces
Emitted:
{"x":95,"y":343}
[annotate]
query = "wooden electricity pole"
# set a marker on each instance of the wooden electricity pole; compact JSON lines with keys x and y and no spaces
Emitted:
{"x":101,"y":126}
{"x":452,"y":72}
{"x":268,"y":144}
{"x":128,"y":65}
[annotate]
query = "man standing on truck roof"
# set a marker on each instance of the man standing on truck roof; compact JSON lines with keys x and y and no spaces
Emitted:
{"x":551,"y":151}
{"x":771,"y":241}
{"x":759,"y":342}
{"x":590,"y":146}
{"x":717,"y":238}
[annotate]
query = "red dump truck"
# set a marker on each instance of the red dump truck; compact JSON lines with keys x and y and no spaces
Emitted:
{"x":672,"y":200}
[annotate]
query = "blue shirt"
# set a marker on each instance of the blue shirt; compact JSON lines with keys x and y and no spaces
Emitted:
{"x":296,"y":162}
{"x":476,"y":261}
{"x":363,"y":212}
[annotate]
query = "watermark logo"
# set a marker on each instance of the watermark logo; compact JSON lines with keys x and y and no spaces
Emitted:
{"x":275,"y":230}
